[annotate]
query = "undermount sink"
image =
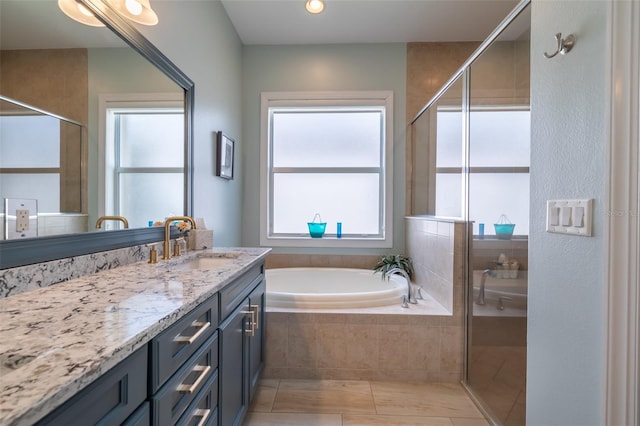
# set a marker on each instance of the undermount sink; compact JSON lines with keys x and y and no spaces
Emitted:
{"x":208,"y":261}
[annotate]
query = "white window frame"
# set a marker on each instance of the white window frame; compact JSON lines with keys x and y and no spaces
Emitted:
{"x":107,"y":102}
{"x":311,"y":99}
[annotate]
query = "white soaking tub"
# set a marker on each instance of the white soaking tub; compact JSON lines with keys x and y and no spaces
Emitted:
{"x":329,"y":288}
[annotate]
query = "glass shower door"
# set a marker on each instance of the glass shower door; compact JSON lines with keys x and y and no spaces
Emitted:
{"x":498,"y":191}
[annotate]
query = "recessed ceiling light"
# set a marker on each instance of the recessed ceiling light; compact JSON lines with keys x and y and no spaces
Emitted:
{"x":314,"y":6}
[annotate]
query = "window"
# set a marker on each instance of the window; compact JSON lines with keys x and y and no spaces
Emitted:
{"x":144,"y":160}
{"x":330,"y":154}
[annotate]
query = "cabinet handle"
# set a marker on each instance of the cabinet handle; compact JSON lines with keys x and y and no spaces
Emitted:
{"x":190,"y":339}
{"x":204,"y":369}
{"x":257,"y":310}
{"x":202,"y":413}
{"x":252,"y":322}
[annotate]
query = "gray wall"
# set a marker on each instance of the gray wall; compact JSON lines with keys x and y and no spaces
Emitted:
{"x":198,"y":37}
{"x":565,"y":372}
{"x":320,"y":68}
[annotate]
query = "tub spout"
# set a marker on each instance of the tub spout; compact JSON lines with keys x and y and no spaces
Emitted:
{"x":411,"y":298}
{"x":480,"y":299}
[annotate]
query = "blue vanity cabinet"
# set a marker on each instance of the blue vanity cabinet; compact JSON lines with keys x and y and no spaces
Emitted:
{"x":233,"y":402}
{"x":241,"y":346}
{"x":201,"y":370}
{"x":257,"y":303}
{"x":111,"y":399}
{"x":184,"y":365}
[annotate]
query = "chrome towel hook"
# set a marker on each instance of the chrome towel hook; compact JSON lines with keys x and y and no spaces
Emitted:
{"x":564,"y":45}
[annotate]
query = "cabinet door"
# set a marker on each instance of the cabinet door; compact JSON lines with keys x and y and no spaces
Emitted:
{"x":233,"y":367}
{"x":256,"y":349}
{"x":110,"y":399}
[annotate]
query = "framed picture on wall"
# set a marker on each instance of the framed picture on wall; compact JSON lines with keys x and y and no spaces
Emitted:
{"x":224,"y":163}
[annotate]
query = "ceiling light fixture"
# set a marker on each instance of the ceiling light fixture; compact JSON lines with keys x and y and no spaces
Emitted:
{"x":79,"y":12}
{"x":314,"y":6}
{"x":134,"y":10}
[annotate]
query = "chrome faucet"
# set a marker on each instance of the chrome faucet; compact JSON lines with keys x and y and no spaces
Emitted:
{"x":119,"y":218}
{"x":166,"y":254}
{"x":410,"y":297}
{"x":485,"y":274}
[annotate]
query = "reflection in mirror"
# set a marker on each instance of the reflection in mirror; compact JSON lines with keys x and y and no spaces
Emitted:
{"x":40,"y":161}
{"x":64,"y":68}
{"x":50,"y":31}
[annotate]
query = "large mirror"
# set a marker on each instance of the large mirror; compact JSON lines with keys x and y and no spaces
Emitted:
{"x":107,"y":79}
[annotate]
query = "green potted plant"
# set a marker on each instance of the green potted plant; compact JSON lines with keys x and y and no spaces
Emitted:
{"x":396,"y":263}
{"x":391,"y":261}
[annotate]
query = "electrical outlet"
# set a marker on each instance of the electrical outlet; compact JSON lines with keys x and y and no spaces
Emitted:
{"x":22,"y":220}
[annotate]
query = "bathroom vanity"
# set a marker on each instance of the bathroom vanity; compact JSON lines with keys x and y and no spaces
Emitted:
{"x":177,"y":342}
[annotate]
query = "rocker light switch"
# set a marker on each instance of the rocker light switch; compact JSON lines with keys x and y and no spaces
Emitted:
{"x":578,"y":215}
{"x":570,"y":216}
{"x":554,"y":216}
{"x":565,"y":216}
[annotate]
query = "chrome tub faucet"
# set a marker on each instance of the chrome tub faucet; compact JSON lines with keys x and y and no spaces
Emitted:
{"x":410,"y":297}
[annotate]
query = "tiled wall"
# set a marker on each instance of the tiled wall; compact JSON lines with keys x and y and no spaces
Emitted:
{"x":429,"y":67}
{"x":410,"y":348}
{"x":438,"y":249}
{"x":280,"y":260}
{"x":486,"y":252}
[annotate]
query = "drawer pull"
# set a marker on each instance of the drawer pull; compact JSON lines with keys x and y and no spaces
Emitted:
{"x":202,"y":413}
{"x":204,"y":369}
{"x":252,"y":322}
{"x":190,"y":339}
{"x":257,"y":315}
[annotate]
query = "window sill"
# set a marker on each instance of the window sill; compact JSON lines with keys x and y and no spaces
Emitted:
{"x":330,"y":242}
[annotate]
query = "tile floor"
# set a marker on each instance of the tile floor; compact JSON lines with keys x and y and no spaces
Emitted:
{"x":360,"y":403}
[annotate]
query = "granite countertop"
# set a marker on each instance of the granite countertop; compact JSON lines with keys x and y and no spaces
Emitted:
{"x":56,"y":340}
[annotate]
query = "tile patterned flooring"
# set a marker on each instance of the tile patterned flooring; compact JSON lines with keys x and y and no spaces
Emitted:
{"x":361,"y":403}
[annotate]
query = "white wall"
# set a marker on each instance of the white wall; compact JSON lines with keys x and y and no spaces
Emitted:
{"x":198,"y":37}
{"x":565,"y":371}
{"x":320,"y":68}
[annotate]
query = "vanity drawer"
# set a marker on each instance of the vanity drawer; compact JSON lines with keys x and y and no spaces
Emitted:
{"x":232,"y":295}
{"x":110,"y":399}
{"x":177,"y":394}
{"x":171,"y":348}
{"x":203,"y":410}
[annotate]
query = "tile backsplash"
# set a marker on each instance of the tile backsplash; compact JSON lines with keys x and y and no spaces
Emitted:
{"x":32,"y":277}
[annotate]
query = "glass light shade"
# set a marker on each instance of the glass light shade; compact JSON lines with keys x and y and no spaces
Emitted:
{"x":79,"y":12}
{"x":135,"y":10}
{"x":314,"y":6}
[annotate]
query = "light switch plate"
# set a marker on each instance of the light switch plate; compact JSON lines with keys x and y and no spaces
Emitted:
{"x":575,"y":216}
{"x":21,"y":218}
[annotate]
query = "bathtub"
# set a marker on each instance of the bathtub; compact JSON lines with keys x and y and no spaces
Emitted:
{"x":512,"y":291}
{"x":329,"y":288}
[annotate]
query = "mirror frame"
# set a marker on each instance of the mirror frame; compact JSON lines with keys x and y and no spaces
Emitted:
{"x":27,"y":251}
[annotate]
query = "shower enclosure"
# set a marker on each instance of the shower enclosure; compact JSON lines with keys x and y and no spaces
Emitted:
{"x":470,"y":159}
